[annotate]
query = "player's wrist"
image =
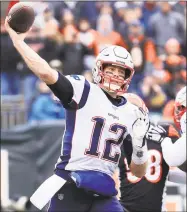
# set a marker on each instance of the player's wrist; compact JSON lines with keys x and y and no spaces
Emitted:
{"x":140,"y":154}
{"x":17,"y":43}
{"x":139,"y":141}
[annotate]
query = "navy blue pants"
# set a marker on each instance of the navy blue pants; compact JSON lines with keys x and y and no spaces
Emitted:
{"x":71,"y":198}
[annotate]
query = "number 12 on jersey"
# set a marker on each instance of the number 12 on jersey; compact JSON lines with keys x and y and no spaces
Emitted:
{"x":96,"y":137}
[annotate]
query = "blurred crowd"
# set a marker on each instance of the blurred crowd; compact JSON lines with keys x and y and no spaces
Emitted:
{"x":69,"y":35}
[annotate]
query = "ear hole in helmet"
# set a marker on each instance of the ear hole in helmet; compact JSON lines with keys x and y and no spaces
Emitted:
{"x":127,"y":73}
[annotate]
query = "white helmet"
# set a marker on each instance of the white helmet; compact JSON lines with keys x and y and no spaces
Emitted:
{"x":181,"y":97}
{"x":180,"y":106}
{"x":118,"y":56}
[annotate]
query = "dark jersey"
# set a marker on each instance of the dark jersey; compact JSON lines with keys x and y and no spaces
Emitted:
{"x":146,"y":194}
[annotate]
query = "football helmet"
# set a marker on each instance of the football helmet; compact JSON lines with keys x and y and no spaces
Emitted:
{"x":180,"y":106}
{"x":117,"y":56}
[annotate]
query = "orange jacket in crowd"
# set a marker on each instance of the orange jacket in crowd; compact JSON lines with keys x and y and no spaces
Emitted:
{"x":100,"y":41}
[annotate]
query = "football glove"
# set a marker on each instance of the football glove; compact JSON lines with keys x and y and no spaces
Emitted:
{"x":140,"y":128}
{"x":156,"y":133}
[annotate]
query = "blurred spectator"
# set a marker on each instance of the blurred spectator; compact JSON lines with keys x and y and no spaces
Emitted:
{"x":149,"y":8}
{"x":57,"y":65}
{"x":153,"y":95}
{"x":36,"y":42}
{"x":168,"y":110}
{"x":180,"y":7}
{"x":67,"y":25}
{"x":105,"y":34}
{"x":119,"y":11}
{"x":134,"y":4}
{"x":86,"y":38}
{"x":71,"y":54}
{"x":143,"y":53}
{"x":60,"y":7}
{"x":85,"y":33}
{"x":174,"y":66}
{"x":106,"y":8}
{"x":87,"y":10}
{"x":44,"y":106}
{"x":131,"y":14}
{"x":48,"y":25}
{"x":166,"y":24}
{"x":137,"y":7}
{"x":45,"y":21}
{"x":10,"y":78}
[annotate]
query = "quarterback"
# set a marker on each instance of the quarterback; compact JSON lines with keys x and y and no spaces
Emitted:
{"x":98,"y":120}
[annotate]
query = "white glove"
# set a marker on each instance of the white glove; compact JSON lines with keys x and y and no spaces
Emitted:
{"x":140,"y":128}
{"x":156,"y":133}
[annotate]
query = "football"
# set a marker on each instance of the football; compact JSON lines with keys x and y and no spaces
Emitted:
{"x":21,"y":17}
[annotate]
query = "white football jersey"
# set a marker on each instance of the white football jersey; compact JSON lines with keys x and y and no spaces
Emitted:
{"x":95,"y":129}
{"x":183,"y":123}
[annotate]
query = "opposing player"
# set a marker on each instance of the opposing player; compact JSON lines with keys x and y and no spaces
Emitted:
{"x":147,"y":193}
{"x":97,"y":122}
{"x":174,"y":153}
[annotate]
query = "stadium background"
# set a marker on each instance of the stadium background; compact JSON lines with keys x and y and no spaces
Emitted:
{"x":69,"y":35}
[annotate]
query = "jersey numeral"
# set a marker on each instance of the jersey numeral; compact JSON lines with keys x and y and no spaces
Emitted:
{"x":93,"y":150}
{"x":154,"y":170}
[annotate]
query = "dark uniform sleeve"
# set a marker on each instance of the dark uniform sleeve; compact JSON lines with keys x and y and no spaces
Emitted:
{"x":127,"y":148}
{"x":62,"y":89}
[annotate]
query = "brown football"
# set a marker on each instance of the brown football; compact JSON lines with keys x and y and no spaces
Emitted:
{"x":21,"y":17}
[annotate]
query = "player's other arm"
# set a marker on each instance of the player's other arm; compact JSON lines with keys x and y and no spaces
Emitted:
{"x":139,"y":170}
{"x":139,"y":160}
{"x":137,"y":165}
{"x":174,"y":153}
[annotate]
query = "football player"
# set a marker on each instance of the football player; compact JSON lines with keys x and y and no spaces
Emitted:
{"x":174,"y":153}
{"x":97,"y":122}
{"x":147,"y":193}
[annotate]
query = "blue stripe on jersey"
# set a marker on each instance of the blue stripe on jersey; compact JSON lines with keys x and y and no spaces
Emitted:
{"x":70,"y":126}
{"x":123,"y":101}
{"x":67,"y":140}
{"x":84,"y":94}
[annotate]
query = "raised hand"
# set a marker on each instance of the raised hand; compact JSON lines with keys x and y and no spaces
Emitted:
{"x":14,"y":35}
{"x":140,"y":128}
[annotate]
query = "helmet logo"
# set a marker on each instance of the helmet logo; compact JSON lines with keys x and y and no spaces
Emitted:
{"x":119,"y":61}
{"x":105,"y":52}
{"x":119,"y":51}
